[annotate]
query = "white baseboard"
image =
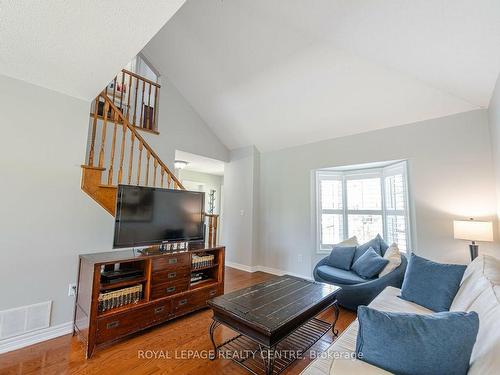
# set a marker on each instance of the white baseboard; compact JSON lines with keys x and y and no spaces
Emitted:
{"x":35,"y":337}
{"x":241,"y":267}
{"x":279,"y":272}
{"x":273,"y":271}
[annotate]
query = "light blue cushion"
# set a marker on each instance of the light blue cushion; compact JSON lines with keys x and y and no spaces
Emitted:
{"x":369,"y":264}
{"x":434,"y":344}
{"x":378,"y":244}
{"x":341,"y":257}
{"x":430,"y":284}
{"x":339,"y":276}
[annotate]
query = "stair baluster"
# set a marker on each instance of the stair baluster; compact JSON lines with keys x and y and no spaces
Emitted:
{"x":122,"y":152}
{"x":93,"y":134}
{"x":154,"y":174}
{"x":147,"y":117}
{"x":114,"y":90}
{"x":155,"y":109}
{"x":129,"y":94}
{"x":122,"y":91}
{"x":103,"y":134}
{"x":139,"y":164}
{"x":148,"y":156}
{"x":135,"y":100}
{"x":141,"y":123}
{"x":113,"y":146}
{"x":131,"y":157}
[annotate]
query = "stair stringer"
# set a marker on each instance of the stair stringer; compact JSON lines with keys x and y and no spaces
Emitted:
{"x":104,"y":195}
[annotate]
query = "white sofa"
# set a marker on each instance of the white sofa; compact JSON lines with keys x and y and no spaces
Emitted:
{"x":479,"y":291}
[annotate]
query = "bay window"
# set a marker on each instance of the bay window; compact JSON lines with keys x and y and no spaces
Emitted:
{"x":362,"y":203}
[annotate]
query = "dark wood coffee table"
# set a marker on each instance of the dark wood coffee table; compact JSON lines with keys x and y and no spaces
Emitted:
{"x":276,"y":322}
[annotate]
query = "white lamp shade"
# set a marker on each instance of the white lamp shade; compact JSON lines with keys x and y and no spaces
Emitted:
{"x":473,"y":230}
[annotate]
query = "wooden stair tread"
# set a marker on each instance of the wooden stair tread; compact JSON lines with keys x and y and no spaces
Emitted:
{"x":92,"y":167}
{"x":106,"y":186}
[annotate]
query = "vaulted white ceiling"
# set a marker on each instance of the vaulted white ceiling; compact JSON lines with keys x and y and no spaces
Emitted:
{"x":286,"y":72}
{"x":76,"y":46}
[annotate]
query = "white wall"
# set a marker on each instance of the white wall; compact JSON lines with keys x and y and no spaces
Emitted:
{"x":46,"y":219}
{"x":240,"y":233}
{"x":450,"y":173}
{"x":181,"y":128}
{"x":494,"y":122}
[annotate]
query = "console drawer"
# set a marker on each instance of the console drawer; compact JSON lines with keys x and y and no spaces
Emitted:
{"x":171,"y":262}
{"x":193,"y":300}
{"x":162,"y":311}
{"x":119,"y":325}
{"x":166,"y":276}
{"x":167,"y":289}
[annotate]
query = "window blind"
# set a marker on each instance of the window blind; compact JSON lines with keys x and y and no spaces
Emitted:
{"x":362,"y":203}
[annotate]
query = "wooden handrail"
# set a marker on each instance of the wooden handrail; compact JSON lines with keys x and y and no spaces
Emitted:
{"x":139,"y":138}
{"x":140,"y":77}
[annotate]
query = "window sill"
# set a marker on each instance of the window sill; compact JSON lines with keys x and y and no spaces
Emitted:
{"x":323,"y":252}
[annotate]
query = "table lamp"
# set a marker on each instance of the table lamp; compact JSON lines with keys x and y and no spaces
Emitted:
{"x":473,"y":231}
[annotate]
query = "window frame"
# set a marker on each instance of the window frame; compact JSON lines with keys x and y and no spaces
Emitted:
{"x":319,"y":210}
{"x":382,"y":172}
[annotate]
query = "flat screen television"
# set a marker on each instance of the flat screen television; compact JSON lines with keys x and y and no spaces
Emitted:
{"x":149,"y":216}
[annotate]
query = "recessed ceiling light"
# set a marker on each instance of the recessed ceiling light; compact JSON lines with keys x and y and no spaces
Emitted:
{"x":180,"y":164}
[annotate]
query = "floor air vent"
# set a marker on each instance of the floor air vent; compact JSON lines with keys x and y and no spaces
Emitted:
{"x":15,"y":322}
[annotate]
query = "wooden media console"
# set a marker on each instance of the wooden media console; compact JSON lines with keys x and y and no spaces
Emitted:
{"x":154,"y":289}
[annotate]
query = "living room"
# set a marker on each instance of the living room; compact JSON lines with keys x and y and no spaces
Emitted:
{"x":329,"y":120}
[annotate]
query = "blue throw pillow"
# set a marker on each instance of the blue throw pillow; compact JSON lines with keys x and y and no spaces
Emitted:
{"x":430,"y":284}
{"x":400,"y":343}
{"x":341,"y":257}
{"x":369,"y":264}
{"x":378,"y":244}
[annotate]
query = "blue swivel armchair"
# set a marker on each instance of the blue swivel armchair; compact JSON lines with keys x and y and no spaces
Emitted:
{"x":356,"y":290}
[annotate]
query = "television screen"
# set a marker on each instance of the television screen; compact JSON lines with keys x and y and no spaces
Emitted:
{"x":147,"y":216}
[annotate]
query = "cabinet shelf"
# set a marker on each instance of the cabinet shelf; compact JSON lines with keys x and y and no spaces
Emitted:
{"x":122,"y":284}
{"x":202,"y":283}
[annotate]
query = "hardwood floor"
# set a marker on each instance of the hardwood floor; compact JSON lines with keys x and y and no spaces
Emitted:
{"x":171,"y":342}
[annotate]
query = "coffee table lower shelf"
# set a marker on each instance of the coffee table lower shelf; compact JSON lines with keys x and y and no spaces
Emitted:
{"x":251,"y":356}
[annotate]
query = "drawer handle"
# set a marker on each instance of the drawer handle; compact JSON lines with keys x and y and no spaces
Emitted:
{"x":213,"y":293}
{"x":172,"y":261}
{"x":171,"y":289}
{"x":183,"y":302}
{"x":171,"y":275}
{"x":159,"y":309}
{"x":113,"y":324}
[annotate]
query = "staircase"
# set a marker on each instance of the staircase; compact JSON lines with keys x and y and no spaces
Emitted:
{"x":118,"y":154}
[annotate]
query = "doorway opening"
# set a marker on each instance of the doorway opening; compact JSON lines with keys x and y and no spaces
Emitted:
{"x":199,"y":173}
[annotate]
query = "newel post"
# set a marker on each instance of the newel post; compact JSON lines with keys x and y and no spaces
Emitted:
{"x":212,"y":222}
